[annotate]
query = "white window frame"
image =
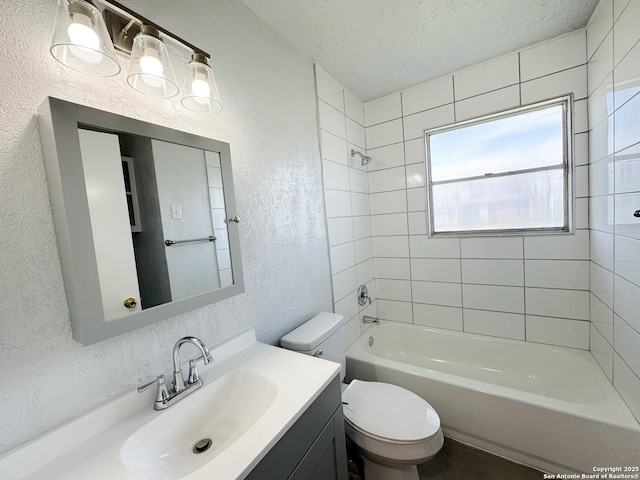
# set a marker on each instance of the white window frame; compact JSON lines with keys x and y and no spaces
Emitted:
{"x":566,"y":102}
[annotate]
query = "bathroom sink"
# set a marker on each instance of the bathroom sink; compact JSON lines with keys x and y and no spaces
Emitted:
{"x":190,"y":434}
{"x":252,"y":394}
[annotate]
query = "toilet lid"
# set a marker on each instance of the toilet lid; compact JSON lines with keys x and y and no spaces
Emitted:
{"x":389,"y":411}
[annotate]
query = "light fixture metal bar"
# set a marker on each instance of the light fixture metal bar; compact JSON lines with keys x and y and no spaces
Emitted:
{"x":117,"y":17}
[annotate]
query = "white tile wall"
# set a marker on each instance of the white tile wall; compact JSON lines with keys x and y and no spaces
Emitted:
{"x":486,"y":276}
{"x":549,"y":302}
{"x":396,"y":311}
{"x":567,"y":274}
{"x":388,"y":156}
{"x":625,"y":31}
{"x":602,"y":351}
{"x":388,"y":202}
{"x":423,"y":246}
{"x":601,"y":63}
{"x":560,"y":247}
{"x":427,"y":96}
{"x":599,"y":26}
{"x":329,"y":90}
{"x":416,"y":124}
{"x":486,"y":77}
{"x":496,"y":324}
{"x":331,"y":119}
{"x":340,"y":230}
{"x":438,"y":316}
{"x":393,"y":268}
{"x":435,"y":270}
{"x":342,"y":257}
{"x":360,"y":204}
{"x":436,"y":293}
{"x":486,"y":103}
{"x":581,"y":149}
{"x":614,"y":51}
{"x":493,"y":272}
{"x":383,"y":110}
{"x":333,"y":148}
{"x":384,"y":134}
{"x":391,"y":246}
{"x":414,"y":151}
{"x":394,"y":289}
{"x":355,"y":133}
{"x":573,"y":81}
{"x":346,"y":194}
{"x":353,"y":107}
{"x":337,"y":203}
{"x":389,"y":224}
{"x":416,"y":199}
{"x":494,"y":298}
{"x":550,"y":57}
{"x":492,"y":247}
{"x":571,"y":333}
{"x":386,"y":180}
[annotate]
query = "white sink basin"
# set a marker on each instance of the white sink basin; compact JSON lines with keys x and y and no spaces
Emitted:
{"x":252,"y":394}
{"x":221,"y":412}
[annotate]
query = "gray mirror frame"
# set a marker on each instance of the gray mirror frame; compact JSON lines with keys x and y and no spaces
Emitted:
{"x":58,"y":121}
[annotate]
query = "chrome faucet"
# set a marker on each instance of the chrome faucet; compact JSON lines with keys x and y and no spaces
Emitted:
{"x":164,"y":397}
{"x":368,"y":319}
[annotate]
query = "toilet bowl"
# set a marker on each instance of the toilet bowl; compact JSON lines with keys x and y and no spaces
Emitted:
{"x":393,"y":429}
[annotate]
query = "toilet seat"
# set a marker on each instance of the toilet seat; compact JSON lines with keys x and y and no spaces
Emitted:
{"x":391,"y":423}
{"x":389,"y":412}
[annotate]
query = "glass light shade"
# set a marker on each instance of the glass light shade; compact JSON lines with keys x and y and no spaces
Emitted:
{"x":200,"y":92}
{"x":150,"y":71}
{"x":80,"y":39}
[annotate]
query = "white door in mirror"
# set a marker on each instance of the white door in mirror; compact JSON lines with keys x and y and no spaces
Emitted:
{"x":109,"y":214}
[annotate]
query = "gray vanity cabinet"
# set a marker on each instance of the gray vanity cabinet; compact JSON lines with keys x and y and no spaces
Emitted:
{"x":313,"y":448}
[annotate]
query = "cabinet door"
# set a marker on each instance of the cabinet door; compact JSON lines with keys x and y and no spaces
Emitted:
{"x":326,"y":459}
{"x":110,"y":226}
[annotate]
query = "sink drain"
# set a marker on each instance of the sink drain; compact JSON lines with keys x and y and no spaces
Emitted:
{"x":202,"y":445}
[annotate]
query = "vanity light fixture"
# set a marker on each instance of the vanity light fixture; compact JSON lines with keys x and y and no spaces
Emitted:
{"x":200,"y":92}
{"x":80,"y":39}
{"x":150,"y":71}
{"x":86,"y":38}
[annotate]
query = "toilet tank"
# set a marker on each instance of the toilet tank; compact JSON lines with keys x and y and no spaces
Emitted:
{"x":322,"y":337}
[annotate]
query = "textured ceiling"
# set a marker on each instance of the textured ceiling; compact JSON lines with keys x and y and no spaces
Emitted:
{"x":376,"y":47}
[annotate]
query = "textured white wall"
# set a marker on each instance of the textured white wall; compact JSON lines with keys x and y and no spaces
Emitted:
{"x":269,"y":119}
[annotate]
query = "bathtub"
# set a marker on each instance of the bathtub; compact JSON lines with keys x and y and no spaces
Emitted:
{"x":548,"y":407}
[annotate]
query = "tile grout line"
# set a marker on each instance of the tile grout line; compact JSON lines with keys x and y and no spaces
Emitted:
{"x":524,"y":288}
{"x":406,"y":190}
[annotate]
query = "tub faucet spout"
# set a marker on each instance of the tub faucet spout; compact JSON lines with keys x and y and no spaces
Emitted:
{"x":368,"y":319}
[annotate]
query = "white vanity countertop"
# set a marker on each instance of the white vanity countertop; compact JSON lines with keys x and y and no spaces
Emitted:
{"x":91,"y":446}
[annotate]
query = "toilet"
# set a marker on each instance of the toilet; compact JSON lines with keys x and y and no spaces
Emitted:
{"x":393,"y":429}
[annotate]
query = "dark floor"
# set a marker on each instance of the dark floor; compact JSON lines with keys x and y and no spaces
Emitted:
{"x":459,"y":462}
{"x":456,"y":461}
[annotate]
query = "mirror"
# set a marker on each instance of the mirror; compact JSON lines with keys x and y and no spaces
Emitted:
{"x":145,"y":218}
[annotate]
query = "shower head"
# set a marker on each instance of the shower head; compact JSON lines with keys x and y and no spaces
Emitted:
{"x":364,"y":158}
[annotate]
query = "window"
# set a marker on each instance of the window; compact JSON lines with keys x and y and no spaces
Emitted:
{"x":504,"y":173}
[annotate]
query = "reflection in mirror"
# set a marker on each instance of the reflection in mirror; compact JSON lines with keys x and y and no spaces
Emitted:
{"x":141,"y":218}
{"x":161,"y":207}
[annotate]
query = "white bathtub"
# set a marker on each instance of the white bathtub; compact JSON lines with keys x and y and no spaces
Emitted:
{"x":549,"y":407}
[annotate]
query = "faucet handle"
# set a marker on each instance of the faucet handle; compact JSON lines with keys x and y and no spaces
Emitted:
{"x":162,"y":394}
{"x":194,"y":377}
